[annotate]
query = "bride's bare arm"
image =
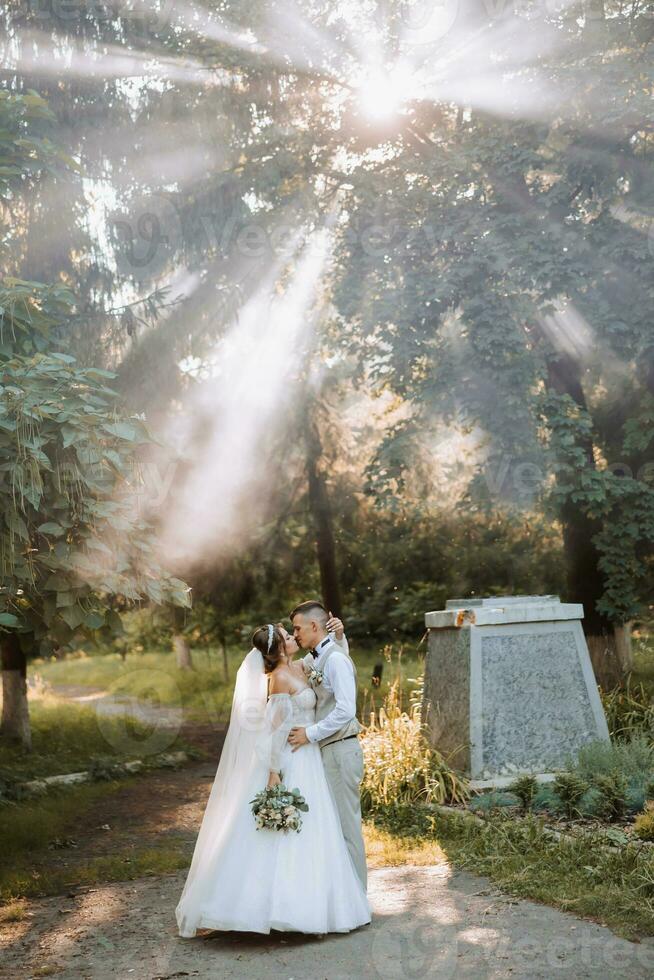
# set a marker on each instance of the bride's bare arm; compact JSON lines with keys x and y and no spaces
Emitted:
{"x":280,"y":683}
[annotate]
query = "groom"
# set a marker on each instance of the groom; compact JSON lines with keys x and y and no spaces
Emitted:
{"x":336,"y":728}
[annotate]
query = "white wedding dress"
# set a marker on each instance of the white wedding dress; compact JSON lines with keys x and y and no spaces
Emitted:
{"x":253,"y":880}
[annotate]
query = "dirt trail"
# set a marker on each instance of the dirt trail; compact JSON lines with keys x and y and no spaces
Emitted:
{"x":428,"y":922}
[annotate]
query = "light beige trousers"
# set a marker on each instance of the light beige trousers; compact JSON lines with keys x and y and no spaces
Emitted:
{"x":343,"y":761}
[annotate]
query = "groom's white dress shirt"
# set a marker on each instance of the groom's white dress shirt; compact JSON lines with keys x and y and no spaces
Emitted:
{"x":338,"y":677}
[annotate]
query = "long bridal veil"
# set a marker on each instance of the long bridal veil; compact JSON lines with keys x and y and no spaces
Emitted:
{"x":245,"y":749}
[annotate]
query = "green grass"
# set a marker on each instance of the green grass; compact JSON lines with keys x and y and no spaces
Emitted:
{"x":202,"y":692}
{"x":27,"y":882}
{"x":614,"y":888}
{"x":152,"y":675}
{"x":69,"y":738}
{"x":27,"y":829}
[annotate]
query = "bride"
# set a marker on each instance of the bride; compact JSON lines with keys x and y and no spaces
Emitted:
{"x":253,"y":880}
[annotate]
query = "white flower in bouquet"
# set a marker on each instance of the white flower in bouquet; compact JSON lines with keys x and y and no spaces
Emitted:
{"x":277,"y":808}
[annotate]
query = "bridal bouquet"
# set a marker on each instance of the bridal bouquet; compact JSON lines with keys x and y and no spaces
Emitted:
{"x":278,"y":808}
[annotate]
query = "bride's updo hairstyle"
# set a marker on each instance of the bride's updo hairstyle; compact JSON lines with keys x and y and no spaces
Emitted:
{"x":270,"y":643}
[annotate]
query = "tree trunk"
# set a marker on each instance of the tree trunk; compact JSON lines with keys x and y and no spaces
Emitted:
{"x":624,"y":649}
{"x":15,"y":710}
{"x":584,"y":578}
{"x":605,"y":660}
{"x":586,"y":582}
{"x":321,"y":514}
{"x":181,"y":647}
{"x":223,"y":644}
{"x":182,"y":652}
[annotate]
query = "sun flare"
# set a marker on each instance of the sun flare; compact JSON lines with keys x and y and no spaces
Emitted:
{"x":383,"y":92}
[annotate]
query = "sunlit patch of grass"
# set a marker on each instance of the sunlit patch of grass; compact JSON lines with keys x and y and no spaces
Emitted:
{"x":202,"y":692}
{"x":15,"y":911}
{"x":151,"y":673}
{"x":67,"y":738}
{"x":387,"y":850}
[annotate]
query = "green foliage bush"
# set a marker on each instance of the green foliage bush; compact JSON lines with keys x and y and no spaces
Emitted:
{"x":493,"y":799}
{"x":525,"y":788}
{"x":605,"y":781}
{"x":633,"y":757}
{"x":545,"y":798}
{"x":570,"y":788}
{"x":613,"y":795}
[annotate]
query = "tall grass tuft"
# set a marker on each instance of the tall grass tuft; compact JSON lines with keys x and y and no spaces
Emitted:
{"x":629,"y":711}
{"x":400,"y":767}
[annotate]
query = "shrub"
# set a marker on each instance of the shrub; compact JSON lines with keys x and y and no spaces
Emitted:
{"x":400,"y":767}
{"x":493,"y":799}
{"x":545,"y":798}
{"x":525,"y":788}
{"x":570,"y":787}
{"x":644,"y":824}
{"x":634,"y":758}
{"x":613,"y":793}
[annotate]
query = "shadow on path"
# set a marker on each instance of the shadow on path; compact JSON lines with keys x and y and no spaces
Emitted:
{"x":427,"y":922}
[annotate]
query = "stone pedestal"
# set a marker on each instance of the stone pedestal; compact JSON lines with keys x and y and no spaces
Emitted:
{"x":509,"y":686}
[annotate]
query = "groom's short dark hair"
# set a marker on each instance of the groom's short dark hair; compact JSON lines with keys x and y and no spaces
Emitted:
{"x":308,"y":607}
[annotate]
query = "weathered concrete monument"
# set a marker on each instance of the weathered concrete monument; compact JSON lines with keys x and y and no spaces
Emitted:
{"x":509,"y":686}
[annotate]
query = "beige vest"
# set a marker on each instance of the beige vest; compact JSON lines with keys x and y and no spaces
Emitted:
{"x":326,"y":702}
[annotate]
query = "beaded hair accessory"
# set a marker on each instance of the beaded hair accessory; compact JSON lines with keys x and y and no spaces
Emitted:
{"x":271,"y":633}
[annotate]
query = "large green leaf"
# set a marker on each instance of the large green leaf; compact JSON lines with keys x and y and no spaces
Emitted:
{"x":73,"y":616}
{"x":50,"y":527}
{"x":93,"y":621}
{"x":121,"y":429}
{"x":71,"y":435}
{"x":17,"y":525}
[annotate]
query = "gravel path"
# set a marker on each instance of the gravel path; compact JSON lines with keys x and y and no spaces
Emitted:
{"x":428,"y":922}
